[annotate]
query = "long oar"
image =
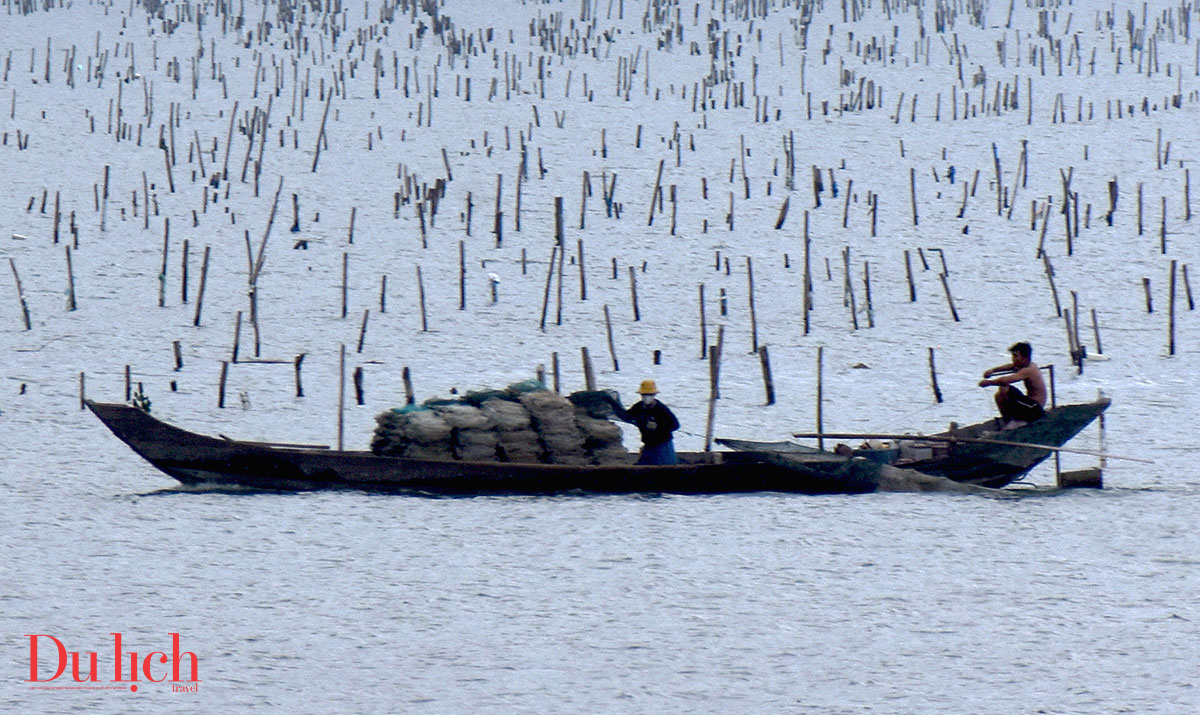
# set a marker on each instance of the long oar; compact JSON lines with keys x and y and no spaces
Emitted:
{"x":972,"y":440}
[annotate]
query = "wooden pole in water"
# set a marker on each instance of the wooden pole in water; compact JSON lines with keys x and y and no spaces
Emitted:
{"x":406,"y":376}
{"x":200,"y":290}
{"x":820,"y":396}
{"x":20,"y":294}
{"x":162,"y":277}
{"x":562,"y":256}
{"x":345,"y":283}
{"x":183,"y":280}
{"x":1171,"y":313}
{"x":237,"y":338}
{"x":221,"y":384}
{"x":296,"y":366}
{"x":612,"y":350}
{"x":362,"y":333}
{"x":912,"y":180}
{"x":949,"y":298}
{"x":768,"y":381}
{"x":582,"y":276}
{"x":341,"y":422}
{"x":703,"y":326}
{"x":82,"y":395}
{"x":714,"y":382}
{"x":912,"y":287}
{"x":589,"y":377}
{"x":421,"y":296}
{"x":546,"y":293}
{"x":807,"y":276}
{"x":937,"y":393}
{"x":70,"y":282}
{"x":753,"y":316}
{"x":633,"y":293}
{"x":554,"y":370}
{"x":462,"y":275}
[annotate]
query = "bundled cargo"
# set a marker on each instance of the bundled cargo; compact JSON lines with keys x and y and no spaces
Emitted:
{"x":414,"y":432}
{"x":517,"y":441}
{"x":553,"y":417}
{"x":523,"y":423}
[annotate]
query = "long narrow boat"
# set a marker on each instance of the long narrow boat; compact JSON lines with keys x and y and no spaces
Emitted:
{"x":982,"y":454}
{"x":197,"y":459}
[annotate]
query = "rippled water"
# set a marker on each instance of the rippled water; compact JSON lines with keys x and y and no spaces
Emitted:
{"x":1037,"y":601}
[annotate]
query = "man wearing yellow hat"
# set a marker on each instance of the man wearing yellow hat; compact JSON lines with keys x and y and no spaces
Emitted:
{"x":656,"y":422}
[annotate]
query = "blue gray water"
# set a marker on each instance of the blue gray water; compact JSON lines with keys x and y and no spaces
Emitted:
{"x":1078,"y":601}
{"x":1040,"y":601}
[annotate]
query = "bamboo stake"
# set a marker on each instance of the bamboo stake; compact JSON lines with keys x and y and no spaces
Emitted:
{"x":362,"y":333}
{"x":633,"y":293}
{"x":549,"y":280}
{"x":421,"y":296}
{"x":341,"y":421}
{"x":1171,"y":313}
{"x":612,"y":350}
{"x":753,"y":315}
{"x":345,"y":283}
{"x":820,"y":397}
{"x":406,"y":377}
{"x":162,"y":277}
{"x":296,"y":362}
{"x":221,"y":384}
{"x":937,"y":393}
{"x":589,"y":378}
{"x":768,"y":381}
{"x":714,"y":382}
{"x":70,"y":282}
{"x":20,"y":295}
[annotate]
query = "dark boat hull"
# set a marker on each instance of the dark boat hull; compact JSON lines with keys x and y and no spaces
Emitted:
{"x":995,"y":465}
{"x":199,"y":459}
{"x":985,"y":465}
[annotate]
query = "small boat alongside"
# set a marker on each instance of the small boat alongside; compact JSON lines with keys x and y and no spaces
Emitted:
{"x":982,"y":454}
{"x":958,"y":465}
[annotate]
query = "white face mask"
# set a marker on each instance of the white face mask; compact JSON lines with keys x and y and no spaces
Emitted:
{"x":647,"y":400}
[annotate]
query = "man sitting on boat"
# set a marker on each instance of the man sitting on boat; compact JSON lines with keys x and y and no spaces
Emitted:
{"x":655,"y":421}
{"x":1017,"y":407}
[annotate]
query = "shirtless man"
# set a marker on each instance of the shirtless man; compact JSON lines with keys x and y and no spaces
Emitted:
{"x":1017,"y":406}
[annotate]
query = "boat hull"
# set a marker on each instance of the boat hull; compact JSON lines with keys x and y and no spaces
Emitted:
{"x":951,"y":455}
{"x":197,"y":459}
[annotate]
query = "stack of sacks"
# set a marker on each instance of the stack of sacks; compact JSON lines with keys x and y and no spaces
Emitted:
{"x":553,"y":417}
{"x":523,"y":423}
{"x":472,"y":436}
{"x":414,"y":432}
{"x":601,"y":439}
{"x":517,"y":440}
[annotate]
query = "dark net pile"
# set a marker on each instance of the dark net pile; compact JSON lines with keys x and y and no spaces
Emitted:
{"x":523,"y":423}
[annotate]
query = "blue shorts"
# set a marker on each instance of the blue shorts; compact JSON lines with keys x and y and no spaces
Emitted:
{"x":660,"y":454}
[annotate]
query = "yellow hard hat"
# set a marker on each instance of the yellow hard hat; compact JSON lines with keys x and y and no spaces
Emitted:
{"x":648,"y":388}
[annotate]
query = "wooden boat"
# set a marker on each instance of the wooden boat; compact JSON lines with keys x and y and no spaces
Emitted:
{"x":197,"y":459}
{"x":981,"y":454}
